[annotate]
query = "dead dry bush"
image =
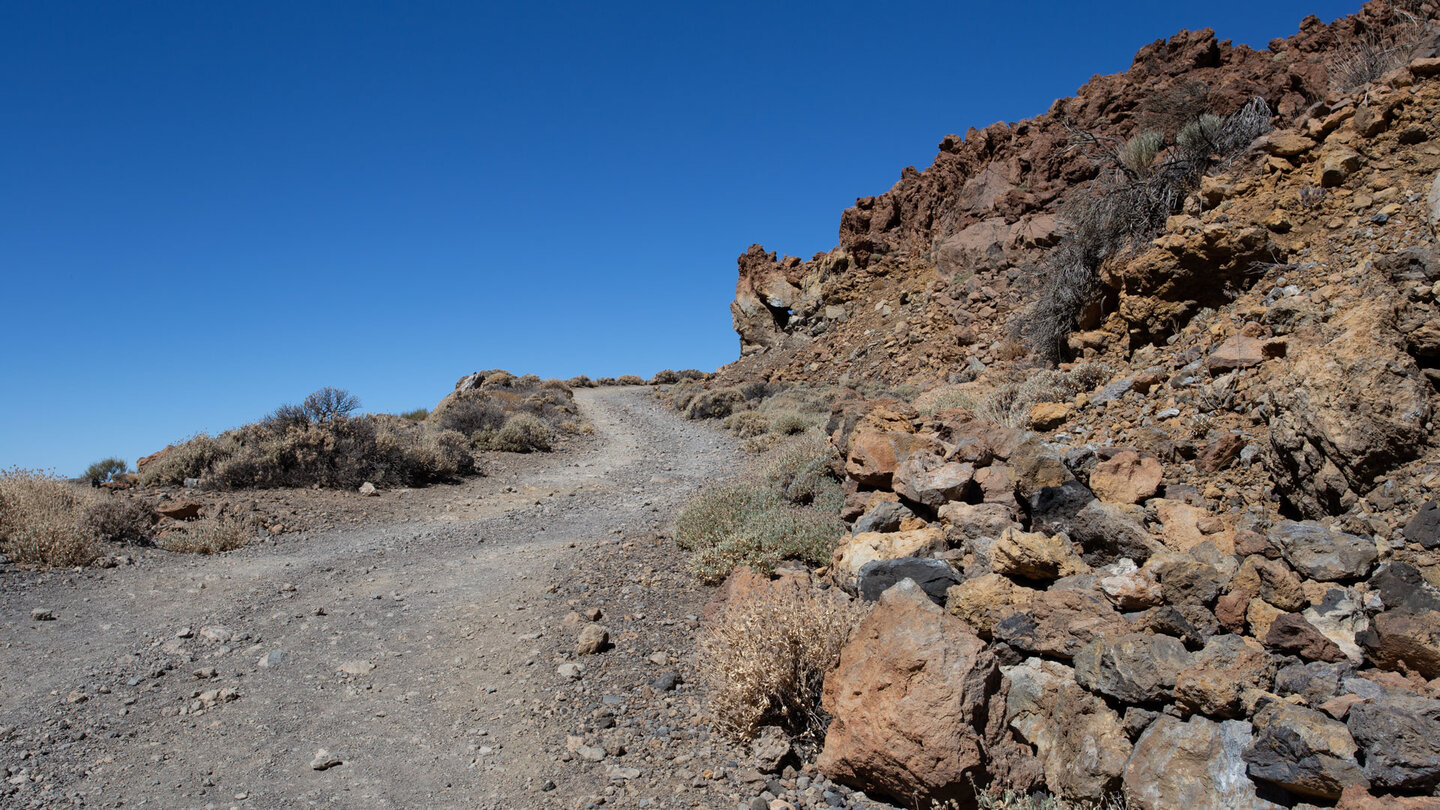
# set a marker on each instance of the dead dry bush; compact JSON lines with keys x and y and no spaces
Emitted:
{"x":209,"y":536}
{"x":1141,"y":184}
{"x":41,"y":520}
{"x":764,"y":659}
{"x":117,"y":518}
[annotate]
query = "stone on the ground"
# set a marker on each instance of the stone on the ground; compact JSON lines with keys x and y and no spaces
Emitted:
{"x":1303,"y":751}
{"x":324,"y":761}
{"x":592,"y":639}
{"x":1320,"y":553}
{"x":1035,"y":555}
{"x":1195,"y":764}
{"x":1400,"y":736}
{"x":1404,"y":640}
{"x":909,"y":698}
{"x":368,"y":489}
{"x":1058,"y":623}
{"x":1126,"y":477}
{"x":770,"y":748}
{"x":1226,"y":677}
{"x":853,"y":553}
{"x":1133,"y":668}
{"x":1079,"y":740}
{"x":934,"y":577}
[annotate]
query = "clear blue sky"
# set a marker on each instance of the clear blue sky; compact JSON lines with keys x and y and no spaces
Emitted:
{"x":207,"y":209}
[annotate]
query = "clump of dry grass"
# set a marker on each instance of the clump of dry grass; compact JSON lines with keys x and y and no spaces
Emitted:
{"x":209,"y":536}
{"x":41,"y":520}
{"x":765,"y":659}
{"x":1009,"y":403}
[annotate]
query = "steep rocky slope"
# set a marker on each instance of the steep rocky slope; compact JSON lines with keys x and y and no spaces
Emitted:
{"x":1196,"y":563}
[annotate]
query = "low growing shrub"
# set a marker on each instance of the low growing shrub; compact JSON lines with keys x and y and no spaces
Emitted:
{"x":417,"y":415}
{"x":629,"y":379}
{"x":765,"y":659}
{"x":747,"y":424}
{"x":522,"y":433}
{"x":732,"y":524}
{"x":41,"y":520}
{"x":714,"y":404}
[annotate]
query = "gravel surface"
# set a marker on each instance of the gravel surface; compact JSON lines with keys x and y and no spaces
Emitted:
{"x":422,"y":662}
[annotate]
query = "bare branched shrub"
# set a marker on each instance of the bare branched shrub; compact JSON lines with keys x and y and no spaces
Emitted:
{"x":329,"y":403}
{"x":764,"y":659}
{"x":209,"y":536}
{"x":41,"y":520}
{"x":1123,"y":210}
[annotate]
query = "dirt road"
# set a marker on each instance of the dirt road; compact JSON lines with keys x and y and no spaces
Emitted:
{"x":421,"y":655}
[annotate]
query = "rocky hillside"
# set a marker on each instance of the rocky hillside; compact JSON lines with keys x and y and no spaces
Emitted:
{"x":1196,"y":563}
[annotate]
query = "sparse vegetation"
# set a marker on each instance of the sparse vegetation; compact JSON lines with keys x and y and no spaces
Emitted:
{"x":1009,"y":403}
{"x":208,"y":536}
{"x":1124,"y":209}
{"x":417,"y":415}
{"x":629,"y":379}
{"x":521,"y":433}
{"x":105,"y":470}
{"x":790,"y":513}
{"x":765,"y":659}
{"x":42,"y":520}
{"x":316,"y":443}
{"x":487,"y":415}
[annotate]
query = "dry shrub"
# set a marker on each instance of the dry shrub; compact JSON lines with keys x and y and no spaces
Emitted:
{"x":41,"y":520}
{"x":764,"y":659}
{"x":792,"y":423}
{"x":945,"y":398}
{"x":521,"y":433}
{"x":714,"y":404}
{"x":191,"y":458}
{"x":747,"y":424}
{"x":470,"y":414}
{"x":803,"y":471}
{"x":580,"y":381}
{"x":117,"y":518}
{"x":209,"y":536}
{"x":629,"y":379}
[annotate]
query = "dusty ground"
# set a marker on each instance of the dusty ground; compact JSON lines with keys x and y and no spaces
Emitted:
{"x":419,"y":650}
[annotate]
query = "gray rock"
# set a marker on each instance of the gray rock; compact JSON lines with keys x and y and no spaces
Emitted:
{"x":770,"y":748}
{"x":324,"y":761}
{"x":1316,"y":681}
{"x":933,"y":576}
{"x":1303,"y":751}
{"x":1400,"y":736}
{"x":1400,"y":585}
{"x":1103,"y":531}
{"x":271,"y":659}
{"x":885,"y":516}
{"x":666,"y":682}
{"x":1320,"y":553}
{"x":1197,"y":765}
{"x":42,"y":615}
{"x":1133,"y":668}
{"x":570,"y":671}
{"x":1424,"y":527}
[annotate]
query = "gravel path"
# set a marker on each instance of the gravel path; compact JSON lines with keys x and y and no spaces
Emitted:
{"x":421,"y":656}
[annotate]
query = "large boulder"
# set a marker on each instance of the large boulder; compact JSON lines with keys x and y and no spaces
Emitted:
{"x":1133,"y":668}
{"x":1226,"y":677}
{"x":1348,"y":406}
{"x":880,"y":441}
{"x":1059,"y":622}
{"x":1195,"y":764}
{"x":1321,"y":553}
{"x":1400,"y":735}
{"x":1404,"y":640}
{"x":926,"y":479}
{"x":910,"y":699}
{"x":1035,"y":555}
{"x":1126,"y":477}
{"x":933,"y":576}
{"x":1079,"y":740}
{"x":856,"y":551}
{"x":1303,"y":751}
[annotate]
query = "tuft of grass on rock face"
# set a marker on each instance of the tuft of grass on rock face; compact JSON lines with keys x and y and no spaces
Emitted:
{"x":41,"y":520}
{"x":765,"y":659}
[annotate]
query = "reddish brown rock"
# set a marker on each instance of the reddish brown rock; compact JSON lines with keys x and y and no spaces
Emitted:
{"x":1226,"y":677}
{"x":1126,"y":477}
{"x":1291,"y":634}
{"x":1058,"y":623}
{"x":1405,"y":641}
{"x":1219,"y":454}
{"x":909,"y":700}
{"x":179,"y":510}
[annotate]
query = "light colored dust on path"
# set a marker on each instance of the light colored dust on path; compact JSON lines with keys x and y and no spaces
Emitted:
{"x":434,"y":620}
